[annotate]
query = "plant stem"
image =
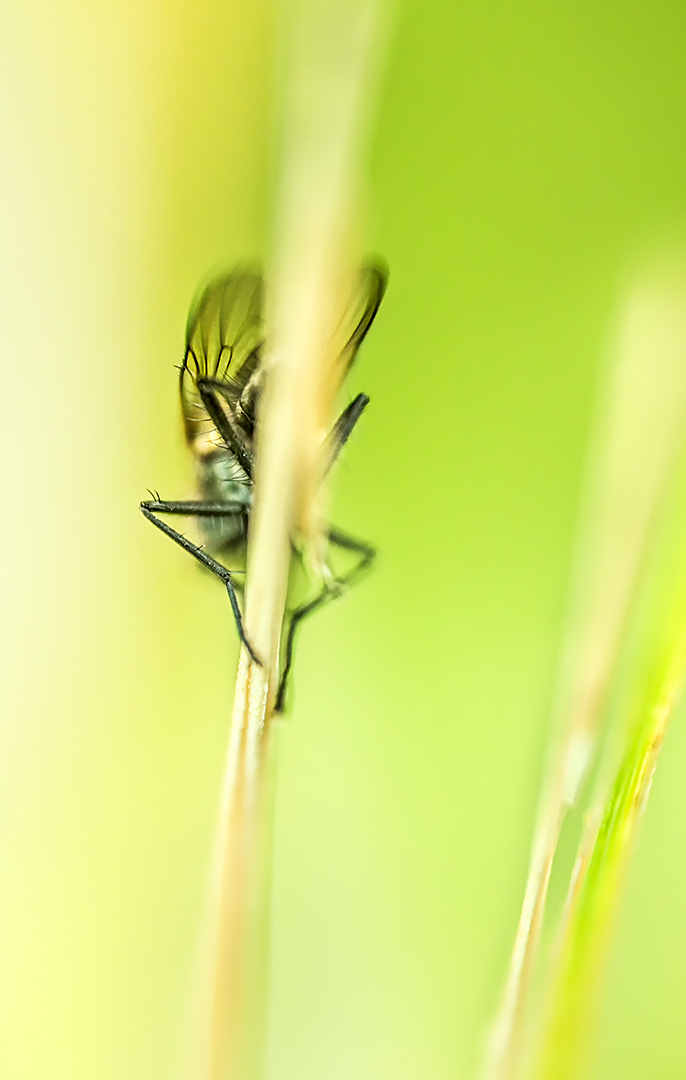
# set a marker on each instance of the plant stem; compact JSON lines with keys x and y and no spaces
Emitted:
{"x":329,"y":54}
{"x":604,"y":855}
{"x":641,"y":420}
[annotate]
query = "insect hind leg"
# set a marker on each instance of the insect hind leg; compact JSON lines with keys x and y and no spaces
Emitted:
{"x":329,"y":592}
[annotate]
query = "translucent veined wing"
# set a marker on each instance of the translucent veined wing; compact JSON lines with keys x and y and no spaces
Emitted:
{"x":224,"y":339}
{"x":365,"y":301}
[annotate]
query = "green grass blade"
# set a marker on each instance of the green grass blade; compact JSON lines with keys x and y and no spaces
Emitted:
{"x":608,"y":844}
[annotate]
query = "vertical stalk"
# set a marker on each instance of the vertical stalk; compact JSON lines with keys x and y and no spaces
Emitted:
{"x":637,"y":440}
{"x":604,"y":855}
{"x":328,"y":61}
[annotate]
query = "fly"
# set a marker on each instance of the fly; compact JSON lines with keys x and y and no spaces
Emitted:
{"x":221,"y":384}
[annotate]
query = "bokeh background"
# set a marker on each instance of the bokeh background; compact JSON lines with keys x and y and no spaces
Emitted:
{"x":525,"y":159}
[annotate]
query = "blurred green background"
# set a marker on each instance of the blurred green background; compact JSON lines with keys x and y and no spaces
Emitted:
{"x":525,"y":157}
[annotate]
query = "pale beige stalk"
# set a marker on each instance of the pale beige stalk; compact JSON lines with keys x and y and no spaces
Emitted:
{"x":329,"y":64}
{"x":640,"y":424}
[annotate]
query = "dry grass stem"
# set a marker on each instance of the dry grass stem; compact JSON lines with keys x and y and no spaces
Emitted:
{"x":329,"y":61}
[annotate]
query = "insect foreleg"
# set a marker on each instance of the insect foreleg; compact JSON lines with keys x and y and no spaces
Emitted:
{"x":342,"y":429}
{"x":225,"y":424}
{"x":154,"y":507}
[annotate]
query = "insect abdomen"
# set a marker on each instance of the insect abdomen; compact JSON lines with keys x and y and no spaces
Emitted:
{"x":222,"y":480}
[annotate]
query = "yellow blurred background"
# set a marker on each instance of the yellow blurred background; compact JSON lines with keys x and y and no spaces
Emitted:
{"x":524,"y":159}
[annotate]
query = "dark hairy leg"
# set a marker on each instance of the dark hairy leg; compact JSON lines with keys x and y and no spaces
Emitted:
{"x":224,"y":421}
{"x":328,"y":592}
{"x":153,"y":507}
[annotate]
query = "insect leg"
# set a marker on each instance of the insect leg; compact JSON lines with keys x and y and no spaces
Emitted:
{"x":341,"y":431}
{"x":154,"y":507}
{"x":234,"y":438}
{"x":296,"y":618}
{"x":196,"y":508}
{"x":329,"y":592}
{"x":225,"y":424}
{"x":350,"y":543}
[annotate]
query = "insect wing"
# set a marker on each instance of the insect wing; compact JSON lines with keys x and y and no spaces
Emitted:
{"x":224,"y":338}
{"x":360,"y":314}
